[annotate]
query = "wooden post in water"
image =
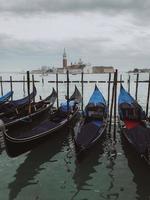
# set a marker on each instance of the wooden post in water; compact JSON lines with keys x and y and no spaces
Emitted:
{"x":68,"y":93}
{"x":129,"y":78}
{"x":148,"y":94}
{"x":33,"y":86}
{"x":24,"y":89}
{"x":28,"y":88}
{"x":11,"y":87}
{"x":120,"y":78}
{"x":137,"y":83}
{"x":82,"y":90}
{"x":112,"y":102}
{"x":115,"y":101}
{"x":57,"y":90}
{"x":42,"y":81}
{"x":108,"y":100}
{"x":1,"y":85}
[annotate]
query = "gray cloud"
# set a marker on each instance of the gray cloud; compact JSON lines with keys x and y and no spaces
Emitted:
{"x":108,"y":6}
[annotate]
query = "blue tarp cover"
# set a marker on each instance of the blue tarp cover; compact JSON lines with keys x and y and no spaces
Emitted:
{"x":125,"y":97}
{"x":97,"y":97}
{"x":63,"y":106}
{"x":6,"y":97}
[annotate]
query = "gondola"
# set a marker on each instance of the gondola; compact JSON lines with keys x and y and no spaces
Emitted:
{"x":133,"y":125}
{"x":5,"y":97}
{"x":12,"y":107}
{"x":24,"y":138}
{"x":93,"y":125}
{"x":36,"y":110}
{"x":76,"y":96}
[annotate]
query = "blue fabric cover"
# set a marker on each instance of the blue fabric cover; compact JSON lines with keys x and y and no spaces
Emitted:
{"x":6,"y":97}
{"x":125,"y":97}
{"x":63,"y":106}
{"x":97,"y":122}
{"x":97,"y":97}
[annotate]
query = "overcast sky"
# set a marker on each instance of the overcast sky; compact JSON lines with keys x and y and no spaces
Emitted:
{"x":101,"y":32}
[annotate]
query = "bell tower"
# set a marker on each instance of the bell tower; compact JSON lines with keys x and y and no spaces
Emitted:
{"x":64,"y":59}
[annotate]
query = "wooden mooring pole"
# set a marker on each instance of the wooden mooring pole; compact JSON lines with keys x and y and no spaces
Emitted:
{"x":115,"y":102}
{"x":112,"y":102}
{"x":33,"y":86}
{"x":108,"y":96}
{"x":120,"y":78}
{"x":11,"y":87}
{"x":42,"y":81}
{"x":1,"y":81}
{"x":68,"y":92}
{"x":57,"y":90}
{"x":129,"y":79}
{"x":28,"y":88}
{"x":24,"y":88}
{"x":148,"y":95}
{"x":82,"y":91}
{"x":137,"y":83}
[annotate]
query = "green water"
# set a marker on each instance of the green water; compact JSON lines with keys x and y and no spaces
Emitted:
{"x":52,"y":172}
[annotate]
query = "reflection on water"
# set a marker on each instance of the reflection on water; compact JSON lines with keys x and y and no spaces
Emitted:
{"x":140,"y":170}
{"x":85,"y":167}
{"x":27,"y":171}
{"x":111,"y":156}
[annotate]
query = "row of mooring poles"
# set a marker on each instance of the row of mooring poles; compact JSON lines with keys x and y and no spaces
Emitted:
{"x":82,"y":90}
{"x":23,"y":81}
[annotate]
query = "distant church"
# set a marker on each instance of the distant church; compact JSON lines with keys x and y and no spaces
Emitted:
{"x":76,"y":68}
{"x":73,"y":67}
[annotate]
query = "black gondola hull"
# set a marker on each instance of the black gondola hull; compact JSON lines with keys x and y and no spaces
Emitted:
{"x":131,"y":146}
{"x":15,"y":147}
{"x":83,"y":150}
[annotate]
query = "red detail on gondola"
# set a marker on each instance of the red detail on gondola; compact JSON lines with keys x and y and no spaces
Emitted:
{"x":131,"y":123}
